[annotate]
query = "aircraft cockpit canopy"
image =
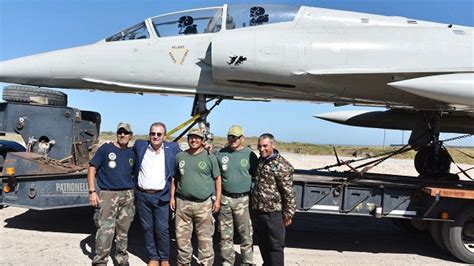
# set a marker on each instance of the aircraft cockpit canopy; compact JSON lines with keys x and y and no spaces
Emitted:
{"x":248,"y":15}
{"x":199,"y":21}
{"x":208,"y":20}
{"x":135,"y":32}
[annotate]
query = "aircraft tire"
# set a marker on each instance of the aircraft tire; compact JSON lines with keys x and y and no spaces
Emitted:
{"x":425,"y":166}
{"x":435,"y":231}
{"x":458,"y":236}
{"x":30,"y":94}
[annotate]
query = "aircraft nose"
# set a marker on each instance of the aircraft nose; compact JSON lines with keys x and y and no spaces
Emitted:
{"x":47,"y":69}
{"x":23,"y":69}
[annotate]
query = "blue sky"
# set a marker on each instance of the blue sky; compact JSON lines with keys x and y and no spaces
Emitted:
{"x":34,"y":26}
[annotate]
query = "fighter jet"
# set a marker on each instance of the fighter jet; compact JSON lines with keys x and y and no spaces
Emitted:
{"x":422,"y":72}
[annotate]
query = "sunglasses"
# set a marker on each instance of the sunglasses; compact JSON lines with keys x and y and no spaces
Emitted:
{"x":123,"y":131}
{"x":233,"y":137}
{"x":158,"y":134}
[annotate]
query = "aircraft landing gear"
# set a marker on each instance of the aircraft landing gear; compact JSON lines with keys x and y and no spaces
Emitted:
{"x":199,"y":115}
{"x":432,"y":159}
{"x":430,"y":162}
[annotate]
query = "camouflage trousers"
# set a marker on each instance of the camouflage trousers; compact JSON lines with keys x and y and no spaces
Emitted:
{"x":198,"y":214}
{"x":113,"y":216}
{"x":235,"y":211}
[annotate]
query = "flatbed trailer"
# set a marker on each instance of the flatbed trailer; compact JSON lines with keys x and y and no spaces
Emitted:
{"x":445,"y":207}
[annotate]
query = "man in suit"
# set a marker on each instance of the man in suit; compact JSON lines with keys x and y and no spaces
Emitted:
{"x":153,"y":171}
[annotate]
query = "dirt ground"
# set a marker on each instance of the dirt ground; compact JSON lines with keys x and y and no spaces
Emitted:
{"x":66,"y":237}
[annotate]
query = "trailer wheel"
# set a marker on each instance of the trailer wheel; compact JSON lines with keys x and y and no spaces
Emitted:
{"x":458,"y":237}
{"x":30,"y":94}
{"x":436,"y":234}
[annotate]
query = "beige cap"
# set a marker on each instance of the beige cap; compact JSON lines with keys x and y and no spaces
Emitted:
{"x":235,"y":130}
{"x":196,"y":132}
{"x":125,"y":126}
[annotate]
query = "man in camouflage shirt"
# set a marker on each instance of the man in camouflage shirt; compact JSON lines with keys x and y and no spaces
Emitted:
{"x":237,"y":164}
{"x":273,"y":200}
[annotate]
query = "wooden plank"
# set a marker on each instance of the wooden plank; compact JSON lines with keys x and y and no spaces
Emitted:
{"x":450,"y":193}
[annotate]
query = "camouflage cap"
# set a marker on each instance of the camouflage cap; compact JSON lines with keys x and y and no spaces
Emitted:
{"x":196,"y":132}
{"x":125,"y":126}
{"x":235,"y":130}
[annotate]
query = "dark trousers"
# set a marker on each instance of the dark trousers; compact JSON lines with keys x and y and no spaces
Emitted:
{"x":153,"y":215}
{"x":270,"y":232}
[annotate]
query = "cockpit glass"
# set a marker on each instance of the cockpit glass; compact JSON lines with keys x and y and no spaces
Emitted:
{"x":242,"y":15}
{"x":136,"y":32}
{"x":201,"y":21}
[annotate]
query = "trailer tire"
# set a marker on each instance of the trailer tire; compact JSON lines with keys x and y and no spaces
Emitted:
{"x":35,"y":95}
{"x":454,"y":234}
{"x":436,"y":234}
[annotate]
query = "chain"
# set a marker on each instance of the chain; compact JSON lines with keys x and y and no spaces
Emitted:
{"x":399,"y":151}
{"x":389,"y":153}
{"x":458,"y":137}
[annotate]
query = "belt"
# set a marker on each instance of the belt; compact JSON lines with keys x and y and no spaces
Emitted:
{"x":116,"y":189}
{"x":149,"y":191}
{"x":193,"y":199}
{"x":235,"y":195}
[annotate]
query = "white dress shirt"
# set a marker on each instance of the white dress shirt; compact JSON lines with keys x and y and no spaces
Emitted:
{"x":152,"y":173}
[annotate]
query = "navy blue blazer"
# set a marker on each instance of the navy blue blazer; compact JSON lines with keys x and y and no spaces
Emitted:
{"x":171,"y":149}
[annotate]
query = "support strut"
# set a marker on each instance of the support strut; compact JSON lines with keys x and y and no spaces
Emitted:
{"x":199,"y":115}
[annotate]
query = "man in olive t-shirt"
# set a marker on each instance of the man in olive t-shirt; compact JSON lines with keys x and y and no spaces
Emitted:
{"x":197,"y":176}
{"x":237,"y":164}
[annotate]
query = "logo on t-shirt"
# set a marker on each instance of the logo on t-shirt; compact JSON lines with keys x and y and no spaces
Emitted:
{"x":112,"y":164}
{"x":202,"y":165}
{"x":224,"y":161}
{"x":244,"y":162}
{"x":130,"y":161}
{"x":112,"y":156}
{"x":181,"y":167}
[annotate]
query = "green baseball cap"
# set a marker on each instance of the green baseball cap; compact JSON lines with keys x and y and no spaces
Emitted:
{"x":196,"y":132}
{"x":235,"y":130}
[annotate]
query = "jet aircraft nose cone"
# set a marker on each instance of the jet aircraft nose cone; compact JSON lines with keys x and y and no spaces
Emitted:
{"x":25,"y":69}
{"x":50,"y":69}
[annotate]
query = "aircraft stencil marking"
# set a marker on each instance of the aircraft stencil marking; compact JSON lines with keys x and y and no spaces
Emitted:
{"x":236,"y":60}
{"x":178,"y":54}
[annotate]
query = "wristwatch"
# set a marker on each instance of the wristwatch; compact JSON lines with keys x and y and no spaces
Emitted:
{"x":92,"y":191}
